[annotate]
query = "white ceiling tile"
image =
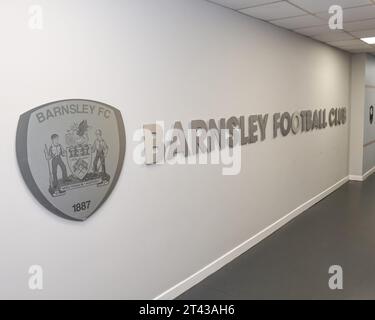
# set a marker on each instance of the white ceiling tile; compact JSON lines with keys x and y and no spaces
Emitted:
{"x":354,"y":14}
{"x":353,"y":50}
{"x":314,"y":31}
{"x":273,"y":11}
{"x":360,"y":25}
{"x":241,"y":4}
{"x":364,"y":34}
{"x":371,"y":51}
{"x":299,"y":22}
{"x":352,"y":44}
{"x":359,"y":19}
{"x":316,"y":6}
{"x":333,"y":36}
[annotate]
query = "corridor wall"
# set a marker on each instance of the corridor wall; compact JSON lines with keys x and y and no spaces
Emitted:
{"x":369,"y":123}
{"x":164,"y":228}
{"x":362,"y":117}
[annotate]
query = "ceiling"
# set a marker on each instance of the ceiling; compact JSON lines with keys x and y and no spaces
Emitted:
{"x":310,"y":18}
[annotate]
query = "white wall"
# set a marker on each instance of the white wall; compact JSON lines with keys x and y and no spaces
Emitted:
{"x":362,"y":132}
{"x":160,"y":60}
{"x":357,"y":102}
{"x":369,"y":129}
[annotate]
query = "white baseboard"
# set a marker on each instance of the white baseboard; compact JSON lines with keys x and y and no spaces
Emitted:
{"x":355,"y":178}
{"x":362,"y":178}
{"x":368,"y":173}
{"x":216,"y":265}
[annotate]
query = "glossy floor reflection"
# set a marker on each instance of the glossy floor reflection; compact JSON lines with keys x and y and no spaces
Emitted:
{"x":293,"y":263}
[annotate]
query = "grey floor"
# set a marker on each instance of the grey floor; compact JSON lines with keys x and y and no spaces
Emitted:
{"x":293,"y":263}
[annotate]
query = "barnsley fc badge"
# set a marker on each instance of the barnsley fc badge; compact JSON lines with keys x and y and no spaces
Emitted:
{"x":71,"y":154}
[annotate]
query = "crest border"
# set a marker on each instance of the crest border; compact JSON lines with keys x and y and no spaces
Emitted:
{"x":22,"y":157}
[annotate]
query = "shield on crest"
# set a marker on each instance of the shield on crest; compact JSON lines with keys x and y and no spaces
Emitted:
{"x":71,"y":154}
{"x":79,"y":156}
{"x":79,"y":160}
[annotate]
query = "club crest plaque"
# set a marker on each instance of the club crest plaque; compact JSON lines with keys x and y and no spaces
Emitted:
{"x":71,"y":154}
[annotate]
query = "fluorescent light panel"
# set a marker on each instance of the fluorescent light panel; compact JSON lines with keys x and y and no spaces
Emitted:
{"x":369,"y":40}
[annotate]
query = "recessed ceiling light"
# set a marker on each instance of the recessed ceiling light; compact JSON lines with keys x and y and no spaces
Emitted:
{"x":369,"y":40}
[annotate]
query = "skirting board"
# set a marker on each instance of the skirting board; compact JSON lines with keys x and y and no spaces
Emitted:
{"x":202,"y":274}
{"x":362,"y":178}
